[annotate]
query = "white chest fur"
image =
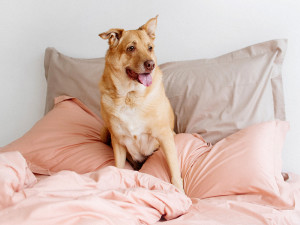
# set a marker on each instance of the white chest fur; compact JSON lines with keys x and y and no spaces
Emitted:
{"x":131,"y":130}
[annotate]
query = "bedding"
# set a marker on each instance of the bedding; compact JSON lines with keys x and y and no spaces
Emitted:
{"x":248,"y":161}
{"x":113,"y":196}
{"x":229,"y":149}
{"x":74,"y":77}
{"x":227,"y":93}
{"x":106,"y":196}
{"x":67,"y":138}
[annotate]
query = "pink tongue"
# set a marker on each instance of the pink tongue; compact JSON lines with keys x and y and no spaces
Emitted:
{"x":145,"y":79}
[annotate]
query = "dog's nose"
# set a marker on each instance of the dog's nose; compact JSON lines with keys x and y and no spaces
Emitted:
{"x":149,"y":65}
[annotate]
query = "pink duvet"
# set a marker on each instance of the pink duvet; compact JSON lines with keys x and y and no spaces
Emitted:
{"x":115,"y":196}
{"x":107,"y":196}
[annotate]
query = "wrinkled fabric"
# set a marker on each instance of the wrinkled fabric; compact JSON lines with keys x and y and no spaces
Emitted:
{"x":106,"y":196}
{"x":219,"y":96}
{"x":246,"y":162}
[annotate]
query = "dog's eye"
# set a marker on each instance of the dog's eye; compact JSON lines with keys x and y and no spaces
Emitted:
{"x":150,"y":48}
{"x":131,"y":48}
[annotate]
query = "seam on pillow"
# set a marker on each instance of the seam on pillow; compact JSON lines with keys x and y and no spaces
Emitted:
{"x":211,"y":61}
{"x":279,"y":43}
{"x":278,"y":98}
{"x":77,"y":59}
{"x":47,"y":60}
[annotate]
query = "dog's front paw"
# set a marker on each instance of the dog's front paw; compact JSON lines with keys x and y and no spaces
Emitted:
{"x":178,"y":182}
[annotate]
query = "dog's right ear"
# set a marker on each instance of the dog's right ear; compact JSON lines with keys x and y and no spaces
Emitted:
{"x":150,"y":27}
{"x":113,"y":36}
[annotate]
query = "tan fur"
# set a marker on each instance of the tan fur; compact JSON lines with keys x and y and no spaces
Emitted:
{"x":138,"y":117}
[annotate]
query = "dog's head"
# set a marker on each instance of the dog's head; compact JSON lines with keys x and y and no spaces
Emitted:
{"x":132,"y":52}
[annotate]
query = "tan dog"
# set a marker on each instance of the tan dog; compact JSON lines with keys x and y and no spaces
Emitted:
{"x":134,"y":106}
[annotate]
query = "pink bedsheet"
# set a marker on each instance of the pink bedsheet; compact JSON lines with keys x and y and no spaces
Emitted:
{"x":116,"y":196}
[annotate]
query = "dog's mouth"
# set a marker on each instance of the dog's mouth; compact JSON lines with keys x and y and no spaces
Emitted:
{"x":143,"y":78}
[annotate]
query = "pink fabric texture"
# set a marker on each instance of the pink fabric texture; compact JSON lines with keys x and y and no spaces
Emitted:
{"x":107,"y":196}
{"x":67,"y":138}
{"x":248,"y":161}
{"x":120,"y":196}
{"x":245,"y":209}
{"x":15,"y":176}
{"x":236,"y":181}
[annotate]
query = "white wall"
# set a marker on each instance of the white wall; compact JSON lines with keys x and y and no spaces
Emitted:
{"x":186,"y":30}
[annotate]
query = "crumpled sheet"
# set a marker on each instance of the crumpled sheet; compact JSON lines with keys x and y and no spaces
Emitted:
{"x":106,"y":196}
{"x":248,"y":209}
{"x":120,"y":196}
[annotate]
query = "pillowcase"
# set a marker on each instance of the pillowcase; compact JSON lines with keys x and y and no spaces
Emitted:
{"x":246,"y":162}
{"x":212,"y":97}
{"x":67,"y":138}
{"x":74,"y":77}
{"x":217,"y":97}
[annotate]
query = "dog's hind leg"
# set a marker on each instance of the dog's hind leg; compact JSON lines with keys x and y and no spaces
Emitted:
{"x":119,"y":152}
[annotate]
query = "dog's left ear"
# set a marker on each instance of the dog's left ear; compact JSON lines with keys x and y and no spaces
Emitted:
{"x":150,"y":27}
{"x":113,"y":36}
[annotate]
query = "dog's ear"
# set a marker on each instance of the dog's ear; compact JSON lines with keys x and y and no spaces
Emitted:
{"x":150,"y":27}
{"x":113,"y":36}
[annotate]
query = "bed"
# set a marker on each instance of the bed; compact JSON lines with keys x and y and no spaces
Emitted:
{"x":230,"y":130}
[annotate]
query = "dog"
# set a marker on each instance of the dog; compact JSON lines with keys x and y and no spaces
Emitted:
{"x":134,"y":107}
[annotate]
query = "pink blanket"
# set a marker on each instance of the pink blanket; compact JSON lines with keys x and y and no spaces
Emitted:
{"x":107,"y":196}
{"x":120,"y":196}
{"x":243,"y":209}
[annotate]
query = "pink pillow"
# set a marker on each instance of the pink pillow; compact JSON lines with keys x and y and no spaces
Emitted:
{"x":67,"y":138}
{"x":248,"y":161}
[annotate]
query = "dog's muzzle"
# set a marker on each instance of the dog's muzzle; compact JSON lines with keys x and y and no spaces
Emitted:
{"x":143,"y":78}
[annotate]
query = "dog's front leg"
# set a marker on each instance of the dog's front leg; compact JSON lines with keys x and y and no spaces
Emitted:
{"x":119,"y":153}
{"x":167,"y":144}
